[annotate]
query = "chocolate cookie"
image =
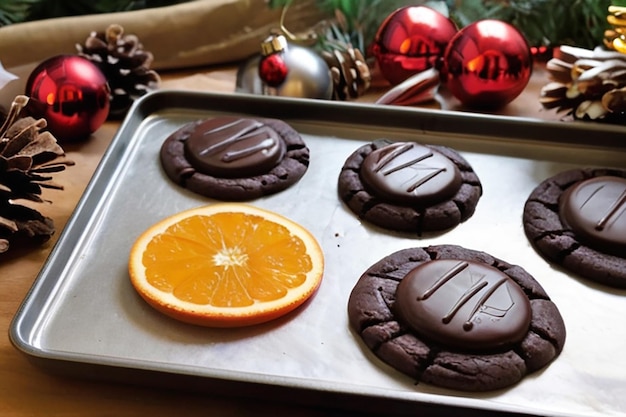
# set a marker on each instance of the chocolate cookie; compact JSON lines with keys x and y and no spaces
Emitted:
{"x":235,"y":159}
{"x":456,"y":318}
{"x":409,"y":187}
{"x":577,"y":219}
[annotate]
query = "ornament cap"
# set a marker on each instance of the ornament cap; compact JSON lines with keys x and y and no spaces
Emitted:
{"x":273,"y":44}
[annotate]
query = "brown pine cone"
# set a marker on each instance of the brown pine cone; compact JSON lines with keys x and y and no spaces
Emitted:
{"x":349,"y":70}
{"x":27,"y":156}
{"x":350,"y":73}
{"x":587,"y":84}
{"x":124,"y":63}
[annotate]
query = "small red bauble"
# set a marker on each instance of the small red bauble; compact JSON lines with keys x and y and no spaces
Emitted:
{"x":71,"y":93}
{"x":411,"y":40}
{"x":273,"y":69}
{"x":487,"y":64}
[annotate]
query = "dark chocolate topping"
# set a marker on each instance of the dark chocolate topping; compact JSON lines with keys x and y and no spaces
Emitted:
{"x":463,"y":305}
{"x":231,"y":147}
{"x":595,"y":209}
{"x":409,"y":173}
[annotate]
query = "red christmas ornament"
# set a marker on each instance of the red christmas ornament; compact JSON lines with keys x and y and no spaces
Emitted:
{"x":487,"y":64}
{"x":273,"y":69}
{"x":287,"y":70}
{"x":71,"y":93}
{"x":411,"y":40}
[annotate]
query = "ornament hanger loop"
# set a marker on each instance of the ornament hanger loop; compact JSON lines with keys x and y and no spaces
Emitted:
{"x":307,"y":38}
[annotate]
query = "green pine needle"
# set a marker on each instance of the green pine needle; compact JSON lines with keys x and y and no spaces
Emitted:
{"x":15,"y":11}
{"x":544,"y":22}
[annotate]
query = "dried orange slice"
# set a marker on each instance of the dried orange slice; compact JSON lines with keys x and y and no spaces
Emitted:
{"x":226,"y":265}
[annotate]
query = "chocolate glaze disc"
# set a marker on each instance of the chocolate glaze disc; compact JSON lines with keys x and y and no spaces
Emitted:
{"x":231,"y":147}
{"x":463,"y":304}
{"x":595,"y":209}
{"x":410,"y":173}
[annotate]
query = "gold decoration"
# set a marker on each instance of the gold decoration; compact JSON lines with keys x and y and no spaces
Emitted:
{"x":615,"y":38}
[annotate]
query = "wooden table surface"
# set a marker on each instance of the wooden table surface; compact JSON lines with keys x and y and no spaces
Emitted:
{"x":25,"y":390}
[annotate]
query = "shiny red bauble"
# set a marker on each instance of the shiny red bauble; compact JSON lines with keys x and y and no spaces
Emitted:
{"x":487,"y":64}
{"x":411,"y":40}
{"x":273,"y":69}
{"x":71,"y":93}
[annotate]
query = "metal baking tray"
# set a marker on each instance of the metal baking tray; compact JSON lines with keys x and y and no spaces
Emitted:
{"x":83,"y":318}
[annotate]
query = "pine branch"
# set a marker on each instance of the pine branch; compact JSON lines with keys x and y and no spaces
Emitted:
{"x":355,"y":21}
{"x":15,"y":11}
{"x":544,"y":22}
{"x":362,"y":18}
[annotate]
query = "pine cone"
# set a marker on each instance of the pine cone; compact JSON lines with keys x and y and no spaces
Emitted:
{"x":27,"y":156}
{"x":349,"y":70}
{"x":124,"y":63}
{"x":587,"y":84}
{"x":350,"y":74}
{"x":614,"y":36}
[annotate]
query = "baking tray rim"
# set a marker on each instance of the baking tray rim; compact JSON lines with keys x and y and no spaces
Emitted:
{"x":423,"y":120}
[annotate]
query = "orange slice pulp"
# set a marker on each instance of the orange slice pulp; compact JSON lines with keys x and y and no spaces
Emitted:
{"x":226,"y":265}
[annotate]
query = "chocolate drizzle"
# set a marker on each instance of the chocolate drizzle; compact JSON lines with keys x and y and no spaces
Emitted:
{"x":613,"y":210}
{"x":390,"y":156}
{"x":443,"y":279}
{"x":595,"y":210}
{"x":463,"y":304}
{"x":230,"y":147}
{"x":408,"y":173}
{"x":424,"y":180}
{"x":265,"y":145}
{"x":481,"y":304}
{"x":471,"y":292}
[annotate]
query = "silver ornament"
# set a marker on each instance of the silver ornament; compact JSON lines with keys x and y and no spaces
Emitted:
{"x":308,"y":75}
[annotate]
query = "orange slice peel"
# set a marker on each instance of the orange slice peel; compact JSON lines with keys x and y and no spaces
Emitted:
{"x":226,"y":265}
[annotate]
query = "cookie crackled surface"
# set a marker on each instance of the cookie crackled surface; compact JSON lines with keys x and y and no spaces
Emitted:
{"x":577,"y":219}
{"x":456,"y":318}
{"x":234,"y":158}
{"x":409,"y":187}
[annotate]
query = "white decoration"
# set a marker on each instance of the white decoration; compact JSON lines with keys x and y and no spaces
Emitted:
{"x":5,"y":77}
